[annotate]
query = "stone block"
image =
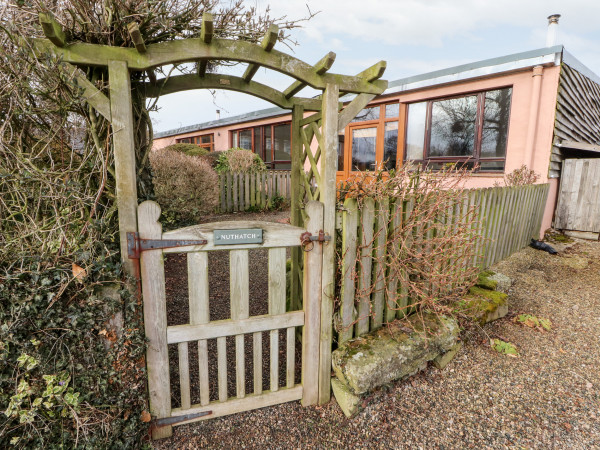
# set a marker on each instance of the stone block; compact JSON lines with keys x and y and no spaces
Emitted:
{"x":503,"y":283}
{"x":395,"y":351}
{"x":443,"y":360}
{"x":349,"y":402}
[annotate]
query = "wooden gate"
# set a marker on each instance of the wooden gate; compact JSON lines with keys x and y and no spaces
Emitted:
{"x":578,"y":206}
{"x":276,"y":238}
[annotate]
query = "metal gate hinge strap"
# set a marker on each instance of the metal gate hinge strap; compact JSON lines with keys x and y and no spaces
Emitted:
{"x":177,"y":419}
{"x":135,"y":245}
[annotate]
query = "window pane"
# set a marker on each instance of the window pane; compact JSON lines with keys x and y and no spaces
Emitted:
{"x":496,"y":166}
{"x":282,"y":166}
{"x":258,"y":144}
{"x":206,"y":139}
{"x":495,"y":123}
{"x":246,"y":139}
{"x":415,"y":130}
{"x":437,"y":165}
{"x":392,"y":110}
{"x":390,"y":145}
{"x":341,"y":138}
{"x":367,"y":114}
{"x":363,"y":148}
{"x":282,"y":143}
{"x":234,"y":140}
{"x":268,"y":141}
{"x":453,"y":127}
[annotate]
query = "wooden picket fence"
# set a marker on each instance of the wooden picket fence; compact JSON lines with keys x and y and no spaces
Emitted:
{"x":243,"y":191}
{"x":510,"y":217}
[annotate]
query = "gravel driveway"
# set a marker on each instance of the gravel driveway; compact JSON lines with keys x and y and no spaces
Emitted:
{"x":547,"y":397}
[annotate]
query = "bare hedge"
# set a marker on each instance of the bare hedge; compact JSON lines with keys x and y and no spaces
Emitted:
{"x":185,"y":186}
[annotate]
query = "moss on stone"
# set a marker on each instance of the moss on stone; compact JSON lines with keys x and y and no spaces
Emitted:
{"x":484,"y":281}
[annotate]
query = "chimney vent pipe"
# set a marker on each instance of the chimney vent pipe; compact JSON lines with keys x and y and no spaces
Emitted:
{"x":552,"y":34}
{"x":218,"y":115}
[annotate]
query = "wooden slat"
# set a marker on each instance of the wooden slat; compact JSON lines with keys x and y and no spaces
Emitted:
{"x":235,"y":192}
{"x":247,"y":191}
{"x":367,"y":221}
{"x":155,"y":317}
{"x":312,"y":293}
{"x":276,"y":307}
{"x":348,"y":288}
{"x":184,"y":375}
{"x":379,"y":279}
{"x":391,"y":298}
{"x":239,"y":405}
{"x":403,"y":299}
{"x":222,"y":368}
{"x":229,"y":192}
{"x":136,"y":37}
{"x":199,"y":312}
{"x":257,"y":361}
{"x":290,"y":357}
{"x":223,"y":185}
{"x":229,"y":327}
{"x":238,"y":287}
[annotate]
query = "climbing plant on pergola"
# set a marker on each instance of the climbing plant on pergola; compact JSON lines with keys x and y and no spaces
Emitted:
{"x":328,"y":117}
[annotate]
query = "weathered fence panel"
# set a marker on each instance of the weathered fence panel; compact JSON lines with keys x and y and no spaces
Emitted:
{"x":242,"y":191}
{"x":510,"y":217}
{"x":578,"y":207}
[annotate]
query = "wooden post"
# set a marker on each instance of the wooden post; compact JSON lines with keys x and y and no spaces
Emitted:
{"x":123,"y":146}
{"x":155,"y":319}
{"x":328,"y":162}
{"x":296,"y":202}
{"x":313,"y":261}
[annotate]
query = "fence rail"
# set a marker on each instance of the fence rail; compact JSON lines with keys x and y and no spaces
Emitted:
{"x":242,"y":191}
{"x":510,"y":217}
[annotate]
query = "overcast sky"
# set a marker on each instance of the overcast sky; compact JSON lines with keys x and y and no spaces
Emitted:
{"x":413,"y":36}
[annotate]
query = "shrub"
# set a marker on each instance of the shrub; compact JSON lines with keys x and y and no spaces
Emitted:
{"x":240,"y":160}
{"x":212,"y":158}
{"x":521,"y":177}
{"x":185,"y":186}
{"x":187,"y":149}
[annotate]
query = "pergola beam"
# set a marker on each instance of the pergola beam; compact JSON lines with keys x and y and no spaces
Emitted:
{"x":267,"y":45}
{"x":206,"y":35}
{"x":374,"y":72}
{"x":320,"y":68}
{"x":93,"y":96}
{"x":180,"y":83}
{"x":136,"y":37}
{"x":352,"y":109}
{"x":189,"y":50}
{"x":52,"y":29}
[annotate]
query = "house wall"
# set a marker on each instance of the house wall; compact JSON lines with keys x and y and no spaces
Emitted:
{"x":530,"y":132}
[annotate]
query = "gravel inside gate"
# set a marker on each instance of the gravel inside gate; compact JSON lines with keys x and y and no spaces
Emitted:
{"x":547,"y":397}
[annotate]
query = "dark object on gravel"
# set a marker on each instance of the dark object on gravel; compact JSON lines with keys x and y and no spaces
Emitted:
{"x":539,"y":245}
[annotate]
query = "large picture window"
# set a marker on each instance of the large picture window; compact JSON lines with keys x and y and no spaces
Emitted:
{"x":471,"y":129}
{"x":273,"y":143}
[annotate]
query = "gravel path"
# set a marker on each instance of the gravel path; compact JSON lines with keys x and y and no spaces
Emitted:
{"x":548,"y":397}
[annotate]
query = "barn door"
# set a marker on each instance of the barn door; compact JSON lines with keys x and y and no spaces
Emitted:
{"x":237,"y":238}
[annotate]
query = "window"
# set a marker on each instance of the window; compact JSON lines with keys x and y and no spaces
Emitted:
{"x":371,"y":140}
{"x":205,"y":141}
{"x":471,"y":129}
{"x":273,"y":143}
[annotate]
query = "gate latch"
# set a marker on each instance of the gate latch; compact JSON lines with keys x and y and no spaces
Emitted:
{"x":135,"y":245}
{"x":308,"y":240}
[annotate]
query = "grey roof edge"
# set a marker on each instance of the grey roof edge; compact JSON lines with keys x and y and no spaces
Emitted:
{"x":246,"y":117}
{"x":573,"y":62}
{"x":486,"y":67}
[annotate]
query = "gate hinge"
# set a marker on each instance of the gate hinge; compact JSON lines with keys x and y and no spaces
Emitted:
{"x":178,"y":419}
{"x":307,"y":239}
{"x":135,"y":245}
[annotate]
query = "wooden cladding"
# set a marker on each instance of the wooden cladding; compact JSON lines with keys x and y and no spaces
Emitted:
{"x":577,"y":114}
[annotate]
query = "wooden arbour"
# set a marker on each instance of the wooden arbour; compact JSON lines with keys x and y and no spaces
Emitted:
{"x":329,"y":116}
